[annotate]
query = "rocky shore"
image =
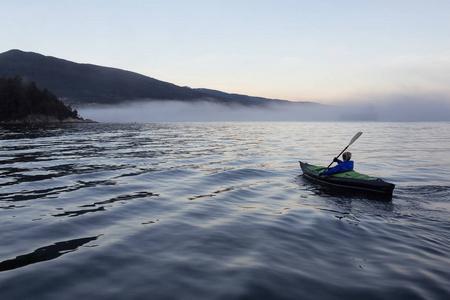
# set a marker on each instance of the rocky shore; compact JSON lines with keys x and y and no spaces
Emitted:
{"x":43,"y":119}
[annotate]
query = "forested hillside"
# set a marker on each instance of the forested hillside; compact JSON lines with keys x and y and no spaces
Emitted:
{"x":20,"y":99}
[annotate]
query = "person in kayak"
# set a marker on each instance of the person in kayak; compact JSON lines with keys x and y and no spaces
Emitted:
{"x":342,"y":166}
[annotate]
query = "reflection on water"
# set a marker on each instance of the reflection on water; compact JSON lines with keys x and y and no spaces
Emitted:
{"x":44,"y":253}
{"x":220,"y":211}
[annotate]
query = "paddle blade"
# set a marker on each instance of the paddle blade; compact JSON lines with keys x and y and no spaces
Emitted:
{"x":355,"y":138}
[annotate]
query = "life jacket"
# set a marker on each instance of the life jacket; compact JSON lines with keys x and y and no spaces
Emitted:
{"x":342,"y":166}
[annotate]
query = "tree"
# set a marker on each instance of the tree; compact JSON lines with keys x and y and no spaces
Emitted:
{"x":19,"y":99}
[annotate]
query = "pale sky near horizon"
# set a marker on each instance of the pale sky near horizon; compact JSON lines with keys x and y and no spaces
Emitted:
{"x":323,"y":51}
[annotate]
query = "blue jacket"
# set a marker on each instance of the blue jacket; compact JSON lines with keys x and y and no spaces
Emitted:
{"x":342,"y":166}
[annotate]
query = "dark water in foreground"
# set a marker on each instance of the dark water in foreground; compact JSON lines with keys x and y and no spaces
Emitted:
{"x":221,"y":211}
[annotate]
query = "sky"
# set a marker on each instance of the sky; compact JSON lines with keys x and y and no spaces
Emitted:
{"x":322,"y":51}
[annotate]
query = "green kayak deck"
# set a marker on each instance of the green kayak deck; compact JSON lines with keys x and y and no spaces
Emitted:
{"x":348,"y":174}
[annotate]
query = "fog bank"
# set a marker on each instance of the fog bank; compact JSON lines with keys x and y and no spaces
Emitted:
{"x":400,"y":109}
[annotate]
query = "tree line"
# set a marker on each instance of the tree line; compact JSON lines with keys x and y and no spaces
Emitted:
{"x":20,"y":98}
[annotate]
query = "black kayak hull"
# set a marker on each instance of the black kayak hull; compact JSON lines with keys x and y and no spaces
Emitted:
{"x":377,"y":189}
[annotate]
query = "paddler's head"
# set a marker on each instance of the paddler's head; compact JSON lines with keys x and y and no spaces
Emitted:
{"x":347,"y":156}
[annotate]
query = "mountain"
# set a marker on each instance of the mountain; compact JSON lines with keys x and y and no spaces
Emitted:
{"x":80,"y":84}
{"x":85,"y":83}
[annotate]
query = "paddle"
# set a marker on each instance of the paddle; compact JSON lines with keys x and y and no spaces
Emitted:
{"x":351,"y":142}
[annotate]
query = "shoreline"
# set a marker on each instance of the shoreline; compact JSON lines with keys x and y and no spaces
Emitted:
{"x":41,"y":119}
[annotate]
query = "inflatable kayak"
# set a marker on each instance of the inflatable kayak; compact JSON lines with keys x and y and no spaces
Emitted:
{"x":350,"y":181}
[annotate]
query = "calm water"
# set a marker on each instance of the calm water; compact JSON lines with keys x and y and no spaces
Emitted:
{"x":221,"y":211}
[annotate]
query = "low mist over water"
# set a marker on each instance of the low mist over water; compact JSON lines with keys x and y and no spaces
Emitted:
{"x":401,"y":109}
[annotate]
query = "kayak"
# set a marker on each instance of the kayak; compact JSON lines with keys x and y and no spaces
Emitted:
{"x":350,"y":181}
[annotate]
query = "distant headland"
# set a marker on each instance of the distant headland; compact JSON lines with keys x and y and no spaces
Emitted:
{"x":81,"y":84}
{"x":22,"y":102}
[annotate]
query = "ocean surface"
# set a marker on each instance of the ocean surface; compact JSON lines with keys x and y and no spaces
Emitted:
{"x":221,"y":211}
